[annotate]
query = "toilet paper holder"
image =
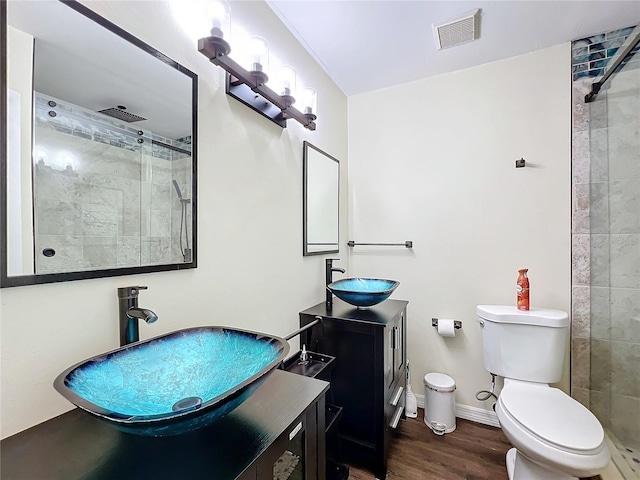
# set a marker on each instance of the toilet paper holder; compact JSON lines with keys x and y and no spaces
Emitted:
{"x":457,"y":324}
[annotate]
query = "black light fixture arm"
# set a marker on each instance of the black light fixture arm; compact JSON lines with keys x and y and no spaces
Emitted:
{"x":217,"y":51}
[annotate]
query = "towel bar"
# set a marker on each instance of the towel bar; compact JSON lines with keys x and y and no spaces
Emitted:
{"x":407,"y":244}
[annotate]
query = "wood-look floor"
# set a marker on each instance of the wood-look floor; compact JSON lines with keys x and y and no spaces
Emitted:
{"x":472,"y":452}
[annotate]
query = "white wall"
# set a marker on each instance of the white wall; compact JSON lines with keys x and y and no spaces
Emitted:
{"x":251,"y":271}
{"x":433,"y":162}
{"x":19,"y":193}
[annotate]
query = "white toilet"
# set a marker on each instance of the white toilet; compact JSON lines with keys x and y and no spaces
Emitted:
{"x":554,"y":436}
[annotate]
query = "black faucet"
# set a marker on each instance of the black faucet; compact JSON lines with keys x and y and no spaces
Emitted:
{"x":329,"y":269}
{"x":130,"y":313}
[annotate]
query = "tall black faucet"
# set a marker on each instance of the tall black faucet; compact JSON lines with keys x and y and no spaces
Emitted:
{"x":328,"y":270}
{"x":130,"y":313}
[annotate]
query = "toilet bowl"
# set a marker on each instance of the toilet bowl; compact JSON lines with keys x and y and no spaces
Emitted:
{"x":554,"y":436}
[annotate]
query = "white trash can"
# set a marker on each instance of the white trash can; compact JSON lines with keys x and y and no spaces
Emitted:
{"x":439,"y":403}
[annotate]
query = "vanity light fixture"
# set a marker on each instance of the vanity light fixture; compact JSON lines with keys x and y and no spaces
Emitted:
{"x":249,"y":85}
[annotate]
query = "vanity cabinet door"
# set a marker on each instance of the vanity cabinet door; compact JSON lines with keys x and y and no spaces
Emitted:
{"x":389,"y":370}
{"x":399,"y":338}
{"x":299,"y":452}
{"x":394,"y":361}
{"x":285,"y":459}
{"x":395,"y":402}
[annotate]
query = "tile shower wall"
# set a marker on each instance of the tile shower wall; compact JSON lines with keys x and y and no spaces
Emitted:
{"x":605,"y":372}
{"x":103,"y":200}
{"x":590,"y":55}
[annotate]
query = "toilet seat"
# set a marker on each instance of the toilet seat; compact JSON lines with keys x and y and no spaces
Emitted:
{"x":562,"y":450}
{"x":552,"y":417}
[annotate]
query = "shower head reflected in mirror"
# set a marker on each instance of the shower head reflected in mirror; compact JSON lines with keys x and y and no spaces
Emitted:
{"x":184,"y":250}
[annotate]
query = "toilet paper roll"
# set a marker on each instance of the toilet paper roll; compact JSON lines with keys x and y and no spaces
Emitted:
{"x":446,"y":327}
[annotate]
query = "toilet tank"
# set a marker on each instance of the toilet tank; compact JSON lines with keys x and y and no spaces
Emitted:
{"x":524,"y":345}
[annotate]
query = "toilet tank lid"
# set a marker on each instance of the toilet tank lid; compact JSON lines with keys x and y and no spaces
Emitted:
{"x":536,"y":316}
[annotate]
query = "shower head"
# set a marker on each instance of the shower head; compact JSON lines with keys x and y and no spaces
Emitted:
{"x":175,"y":184}
{"x":180,"y":197}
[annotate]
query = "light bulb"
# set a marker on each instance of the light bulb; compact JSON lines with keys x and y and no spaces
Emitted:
{"x":309,"y":101}
{"x":288,"y":81}
{"x":219,"y":12}
{"x":259,"y":54}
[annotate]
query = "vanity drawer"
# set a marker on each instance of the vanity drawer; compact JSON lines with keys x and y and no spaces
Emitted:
{"x":395,"y":398}
{"x":394,"y":405}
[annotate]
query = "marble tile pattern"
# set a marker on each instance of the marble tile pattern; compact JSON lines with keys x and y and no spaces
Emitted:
{"x":103,"y":199}
{"x":605,"y":368}
{"x":581,"y":242}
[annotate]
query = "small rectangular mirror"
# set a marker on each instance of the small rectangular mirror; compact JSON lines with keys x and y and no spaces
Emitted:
{"x":320,"y":192}
{"x":99,"y":157}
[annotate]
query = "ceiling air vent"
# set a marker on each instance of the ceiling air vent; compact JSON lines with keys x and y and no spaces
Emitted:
{"x":119,"y":113}
{"x":458,"y":30}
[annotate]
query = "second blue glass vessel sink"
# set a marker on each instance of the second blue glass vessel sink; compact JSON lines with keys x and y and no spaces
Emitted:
{"x":363,"y":292}
{"x":173,"y":383}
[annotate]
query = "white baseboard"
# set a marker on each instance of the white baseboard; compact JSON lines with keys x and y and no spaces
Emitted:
{"x":474,"y":414}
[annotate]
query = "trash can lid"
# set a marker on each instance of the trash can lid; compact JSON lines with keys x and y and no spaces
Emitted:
{"x":439,"y":382}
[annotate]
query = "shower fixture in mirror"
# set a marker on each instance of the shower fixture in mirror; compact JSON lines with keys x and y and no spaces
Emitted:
{"x":320,"y":200}
{"x":99,"y":154}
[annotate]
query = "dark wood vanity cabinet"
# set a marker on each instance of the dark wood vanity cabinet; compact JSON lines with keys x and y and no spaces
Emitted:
{"x":369,"y":377}
{"x":278,"y":432}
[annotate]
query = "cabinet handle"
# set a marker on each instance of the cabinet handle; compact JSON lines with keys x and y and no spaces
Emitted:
{"x":295,"y":431}
{"x":397,"y":395}
{"x":396,"y":417}
{"x":396,"y":338}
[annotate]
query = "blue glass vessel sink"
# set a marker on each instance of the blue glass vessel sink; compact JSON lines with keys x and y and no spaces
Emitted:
{"x":173,"y":383}
{"x":363,"y":292}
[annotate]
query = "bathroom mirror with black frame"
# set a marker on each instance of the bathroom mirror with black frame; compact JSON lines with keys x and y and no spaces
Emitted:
{"x":320,"y":199}
{"x":98,"y":158}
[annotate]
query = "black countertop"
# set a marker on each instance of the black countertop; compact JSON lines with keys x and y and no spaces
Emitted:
{"x":377,"y":314}
{"x":76,"y":445}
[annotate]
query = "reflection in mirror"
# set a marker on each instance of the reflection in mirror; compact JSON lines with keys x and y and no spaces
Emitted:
{"x":99,"y":158}
{"x":321,"y":187}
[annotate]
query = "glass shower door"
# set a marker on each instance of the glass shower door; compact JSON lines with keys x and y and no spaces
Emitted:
{"x":615,"y":262}
{"x":107,"y":195}
{"x":87,"y":190}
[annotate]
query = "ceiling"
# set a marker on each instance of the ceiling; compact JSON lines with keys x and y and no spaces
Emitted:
{"x":366,"y":45}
